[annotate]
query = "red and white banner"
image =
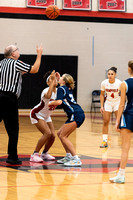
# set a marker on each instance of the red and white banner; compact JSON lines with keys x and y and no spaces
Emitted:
{"x":77,"y":4}
{"x":112,"y":5}
{"x":40,"y":3}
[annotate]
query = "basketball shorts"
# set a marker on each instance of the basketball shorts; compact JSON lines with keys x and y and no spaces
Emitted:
{"x":78,"y":117}
{"x":111,"y":106}
{"x":34,"y":117}
{"x":126,"y":122}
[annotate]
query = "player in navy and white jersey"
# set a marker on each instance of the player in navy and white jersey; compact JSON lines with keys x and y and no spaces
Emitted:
{"x":75,"y":116}
{"x":40,"y":115}
{"x":110,"y":100}
{"x":124,"y":122}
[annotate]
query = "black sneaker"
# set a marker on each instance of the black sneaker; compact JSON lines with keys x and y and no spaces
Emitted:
{"x":14,"y":162}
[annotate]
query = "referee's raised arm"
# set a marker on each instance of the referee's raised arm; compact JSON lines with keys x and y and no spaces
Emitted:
{"x":37,"y":63}
{"x":13,"y":52}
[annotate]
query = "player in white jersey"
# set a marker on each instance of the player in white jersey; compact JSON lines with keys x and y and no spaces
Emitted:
{"x":110,"y":100}
{"x":40,"y":116}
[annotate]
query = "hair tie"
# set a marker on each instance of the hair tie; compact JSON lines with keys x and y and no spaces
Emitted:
{"x":47,"y":79}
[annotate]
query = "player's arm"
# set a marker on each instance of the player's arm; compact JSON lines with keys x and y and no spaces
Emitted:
{"x":53,"y":81}
{"x":59,"y":99}
{"x":119,"y":92}
{"x":36,"y":66}
{"x":123,"y":88}
{"x":102,"y":101}
{"x":49,"y":92}
{"x":55,"y":103}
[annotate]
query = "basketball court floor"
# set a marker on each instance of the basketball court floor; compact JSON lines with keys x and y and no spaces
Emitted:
{"x":52,"y":181}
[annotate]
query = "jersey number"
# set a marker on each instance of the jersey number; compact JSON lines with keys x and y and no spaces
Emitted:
{"x":72,"y":98}
{"x":112,"y":95}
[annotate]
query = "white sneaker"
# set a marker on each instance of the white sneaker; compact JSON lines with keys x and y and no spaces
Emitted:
{"x":64,"y":160}
{"x":46,"y":156}
{"x":118,"y":179}
{"x":36,"y":158}
{"x":73,"y":163}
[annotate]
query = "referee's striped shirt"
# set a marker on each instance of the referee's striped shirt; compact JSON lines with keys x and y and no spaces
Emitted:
{"x":11,"y":75}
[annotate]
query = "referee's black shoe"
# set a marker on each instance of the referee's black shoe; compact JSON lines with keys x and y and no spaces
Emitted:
{"x":14,"y":162}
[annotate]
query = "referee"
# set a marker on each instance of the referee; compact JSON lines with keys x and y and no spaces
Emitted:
{"x":11,"y":71}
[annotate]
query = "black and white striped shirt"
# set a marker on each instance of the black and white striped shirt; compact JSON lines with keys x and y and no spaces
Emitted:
{"x":11,"y":75}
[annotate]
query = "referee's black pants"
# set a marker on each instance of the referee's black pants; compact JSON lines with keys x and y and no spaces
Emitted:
{"x":9,"y":114}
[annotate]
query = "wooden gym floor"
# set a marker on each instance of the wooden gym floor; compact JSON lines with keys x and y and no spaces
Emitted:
{"x":51,"y":181}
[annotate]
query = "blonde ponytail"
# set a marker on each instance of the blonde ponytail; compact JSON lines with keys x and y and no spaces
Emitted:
{"x":69,"y":81}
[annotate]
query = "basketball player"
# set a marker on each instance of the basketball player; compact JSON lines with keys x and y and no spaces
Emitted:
{"x":124,"y":122}
{"x":110,"y":100}
{"x":40,"y":116}
{"x":75,"y":116}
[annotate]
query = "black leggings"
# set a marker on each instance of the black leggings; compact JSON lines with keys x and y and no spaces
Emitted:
{"x":9,"y":114}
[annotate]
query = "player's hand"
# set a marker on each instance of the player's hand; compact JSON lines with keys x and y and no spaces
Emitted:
{"x":102,"y":110}
{"x":117,"y":126}
{"x":49,"y":104}
{"x":52,"y":107}
{"x":57,"y":75}
{"x":52,"y":75}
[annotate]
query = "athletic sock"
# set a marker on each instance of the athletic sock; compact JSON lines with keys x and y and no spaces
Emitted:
{"x":44,"y":151}
{"x":121,"y":171}
{"x":105,"y":137}
{"x":75,"y":157}
{"x":68,"y":155}
{"x":35,"y":152}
